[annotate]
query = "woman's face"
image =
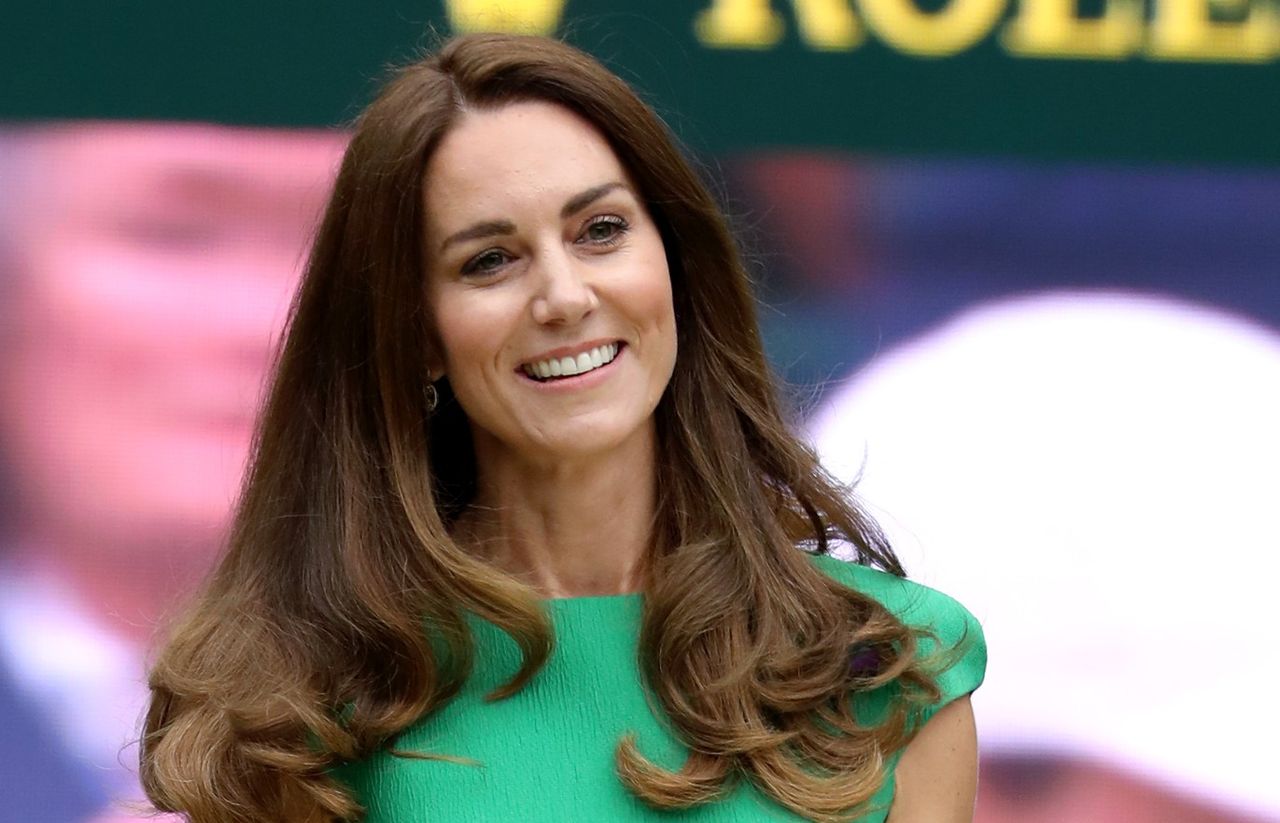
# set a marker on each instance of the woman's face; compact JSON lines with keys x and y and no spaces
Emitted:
{"x":547,"y":284}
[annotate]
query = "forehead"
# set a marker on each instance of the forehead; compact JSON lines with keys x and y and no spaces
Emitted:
{"x":497,"y":162}
{"x":89,"y":169}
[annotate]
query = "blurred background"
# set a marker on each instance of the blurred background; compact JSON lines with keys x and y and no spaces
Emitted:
{"x":1018,"y":263}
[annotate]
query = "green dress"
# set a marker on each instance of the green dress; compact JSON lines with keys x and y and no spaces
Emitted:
{"x":547,"y":753}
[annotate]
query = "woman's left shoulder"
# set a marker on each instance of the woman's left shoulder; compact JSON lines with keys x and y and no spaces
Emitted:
{"x":945,"y":620}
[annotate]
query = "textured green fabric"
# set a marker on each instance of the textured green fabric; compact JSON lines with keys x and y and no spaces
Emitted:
{"x":547,"y":753}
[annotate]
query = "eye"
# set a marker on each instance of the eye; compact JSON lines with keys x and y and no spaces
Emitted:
{"x":173,"y":234}
{"x":605,"y":230}
{"x":485,"y":262}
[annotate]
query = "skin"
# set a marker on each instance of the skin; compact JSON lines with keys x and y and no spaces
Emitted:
{"x":566,"y":257}
{"x":153,"y":265}
{"x":937,"y":776}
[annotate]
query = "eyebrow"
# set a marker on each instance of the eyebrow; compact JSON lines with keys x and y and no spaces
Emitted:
{"x":580,"y":201}
{"x":496,"y":228}
{"x":489,"y":228}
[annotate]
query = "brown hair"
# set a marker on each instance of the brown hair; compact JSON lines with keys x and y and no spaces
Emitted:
{"x":307,"y":646}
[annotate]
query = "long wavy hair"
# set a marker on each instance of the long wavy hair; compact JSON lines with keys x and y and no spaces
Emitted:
{"x":306,"y":648}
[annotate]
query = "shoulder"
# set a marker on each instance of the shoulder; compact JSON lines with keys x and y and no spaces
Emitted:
{"x":912,"y":603}
{"x":949,"y":627}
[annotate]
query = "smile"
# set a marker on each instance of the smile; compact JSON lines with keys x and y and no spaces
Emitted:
{"x":582,"y":363}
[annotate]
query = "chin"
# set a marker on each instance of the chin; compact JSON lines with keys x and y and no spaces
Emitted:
{"x":604,"y":434}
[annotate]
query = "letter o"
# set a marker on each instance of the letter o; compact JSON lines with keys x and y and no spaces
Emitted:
{"x":906,"y":28}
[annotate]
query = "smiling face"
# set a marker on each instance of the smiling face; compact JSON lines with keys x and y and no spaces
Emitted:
{"x":153,"y":268}
{"x":547,"y":284}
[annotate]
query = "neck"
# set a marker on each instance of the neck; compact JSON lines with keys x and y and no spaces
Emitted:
{"x":132,"y":588}
{"x":569,"y":528}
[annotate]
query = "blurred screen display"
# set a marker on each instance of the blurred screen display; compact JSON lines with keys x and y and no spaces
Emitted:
{"x":1057,"y":383}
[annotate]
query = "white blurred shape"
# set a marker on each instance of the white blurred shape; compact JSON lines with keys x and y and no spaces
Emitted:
{"x":1097,"y":476}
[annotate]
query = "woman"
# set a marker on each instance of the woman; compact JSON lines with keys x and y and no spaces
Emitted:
{"x":522,"y":534}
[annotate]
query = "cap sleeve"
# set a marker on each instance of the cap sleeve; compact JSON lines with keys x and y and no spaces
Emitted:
{"x":958,"y":634}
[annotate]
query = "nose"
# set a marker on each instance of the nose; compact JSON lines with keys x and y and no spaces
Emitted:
{"x":565,"y":293}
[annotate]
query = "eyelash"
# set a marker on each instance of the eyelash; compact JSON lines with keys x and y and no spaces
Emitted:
{"x":472,"y":266}
{"x":620,"y":225}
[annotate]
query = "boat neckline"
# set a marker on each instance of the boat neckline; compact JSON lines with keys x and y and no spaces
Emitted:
{"x":593,"y":598}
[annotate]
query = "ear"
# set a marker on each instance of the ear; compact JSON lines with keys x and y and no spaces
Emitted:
{"x":434,"y":356}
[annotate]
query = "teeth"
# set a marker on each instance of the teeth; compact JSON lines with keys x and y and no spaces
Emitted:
{"x":569,"y":366}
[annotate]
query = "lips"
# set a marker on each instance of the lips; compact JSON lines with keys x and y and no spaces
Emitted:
{"x":571,"y":365}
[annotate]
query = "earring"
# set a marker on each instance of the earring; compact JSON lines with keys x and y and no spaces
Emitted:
{"x":433,"y":397}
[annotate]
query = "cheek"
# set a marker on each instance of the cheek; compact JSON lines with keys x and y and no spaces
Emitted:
{"x":653,"y":296}
{"x":470,"y":334}
{"x":648,"y":288}
{"x":649,"y":303}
